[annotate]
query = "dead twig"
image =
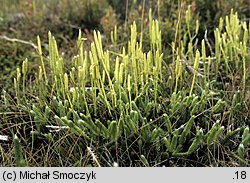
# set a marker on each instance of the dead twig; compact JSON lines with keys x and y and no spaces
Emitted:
{"x":19,"y":41}
{"x":190,"y":68}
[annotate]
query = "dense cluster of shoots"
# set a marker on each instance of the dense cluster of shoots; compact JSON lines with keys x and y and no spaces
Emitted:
{"x":115,"y":93}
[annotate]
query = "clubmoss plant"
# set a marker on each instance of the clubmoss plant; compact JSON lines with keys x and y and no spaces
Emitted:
{"x":20,"y":161}
{"x":127,"y":99}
